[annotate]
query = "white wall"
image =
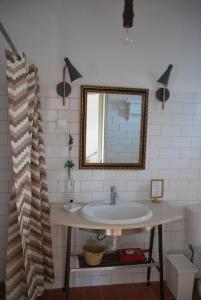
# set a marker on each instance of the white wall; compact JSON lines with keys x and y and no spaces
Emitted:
{"x":89,"y":32}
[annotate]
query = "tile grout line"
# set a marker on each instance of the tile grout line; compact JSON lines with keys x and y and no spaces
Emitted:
{"x":118,"y":292}
{"x":101,"y":292}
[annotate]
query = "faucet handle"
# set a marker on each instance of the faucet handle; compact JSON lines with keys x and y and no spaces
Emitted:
{"x":113,"y":188}
{"x":116,"y":195}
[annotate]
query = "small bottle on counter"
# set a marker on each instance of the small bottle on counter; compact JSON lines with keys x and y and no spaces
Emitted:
{"x":71,"y":204}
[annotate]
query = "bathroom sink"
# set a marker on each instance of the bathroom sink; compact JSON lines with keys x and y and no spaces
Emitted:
{"x":127,"y":213}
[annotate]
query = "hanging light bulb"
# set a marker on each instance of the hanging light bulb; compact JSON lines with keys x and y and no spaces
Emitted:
{"x":128,"y":15}
{"x":127,"y":36}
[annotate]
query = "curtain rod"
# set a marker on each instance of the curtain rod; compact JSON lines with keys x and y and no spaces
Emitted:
{"x":9,"y":41}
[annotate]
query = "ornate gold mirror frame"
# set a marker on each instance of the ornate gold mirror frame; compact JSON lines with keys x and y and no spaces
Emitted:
{"x":104,"y":90}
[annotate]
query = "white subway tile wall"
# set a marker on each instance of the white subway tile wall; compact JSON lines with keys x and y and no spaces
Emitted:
{"x":173,"y":153}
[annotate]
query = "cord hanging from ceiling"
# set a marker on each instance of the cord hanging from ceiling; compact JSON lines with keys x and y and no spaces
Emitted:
{"x":128,"y":16}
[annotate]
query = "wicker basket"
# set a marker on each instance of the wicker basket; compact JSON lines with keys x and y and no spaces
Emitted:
{"x":93,"y":252}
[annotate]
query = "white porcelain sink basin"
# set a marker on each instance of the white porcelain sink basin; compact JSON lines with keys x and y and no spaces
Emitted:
{"x":127,"y":213}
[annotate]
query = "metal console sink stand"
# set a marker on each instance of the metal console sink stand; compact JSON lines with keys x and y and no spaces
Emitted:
{"x":161,"y":214}
{"x":149,"y":263}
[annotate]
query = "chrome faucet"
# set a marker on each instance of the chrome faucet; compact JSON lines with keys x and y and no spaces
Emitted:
{"x":114,"y":195}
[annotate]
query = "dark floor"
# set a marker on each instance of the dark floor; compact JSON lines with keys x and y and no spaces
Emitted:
{"x":135,"y":291}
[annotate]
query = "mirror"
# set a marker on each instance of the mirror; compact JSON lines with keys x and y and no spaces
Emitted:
{"x":113,"y":127}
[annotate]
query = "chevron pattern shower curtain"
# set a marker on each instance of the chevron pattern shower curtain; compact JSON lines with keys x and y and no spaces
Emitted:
{"x":29,"y":251}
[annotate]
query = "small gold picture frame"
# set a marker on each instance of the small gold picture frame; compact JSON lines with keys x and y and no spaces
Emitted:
{"x":156,"y":190}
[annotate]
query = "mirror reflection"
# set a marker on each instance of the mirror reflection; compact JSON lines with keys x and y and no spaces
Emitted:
{"x":114,"y":127}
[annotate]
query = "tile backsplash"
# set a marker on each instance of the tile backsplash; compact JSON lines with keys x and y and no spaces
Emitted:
{"x":173,"y":153}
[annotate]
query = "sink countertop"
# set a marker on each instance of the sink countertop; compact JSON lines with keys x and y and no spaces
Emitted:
{"x":162,"y":213}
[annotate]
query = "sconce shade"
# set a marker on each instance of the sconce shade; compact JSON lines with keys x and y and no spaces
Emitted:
{"x":128,"y":14}
{"x":73,"y":72}
{"x":165,"y":77}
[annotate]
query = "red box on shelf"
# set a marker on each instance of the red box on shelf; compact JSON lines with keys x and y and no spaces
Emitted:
{"x":131,"y":255}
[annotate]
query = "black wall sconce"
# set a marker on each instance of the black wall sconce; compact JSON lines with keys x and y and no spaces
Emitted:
{"x":64,"y":88}
{"x":162,"y":94}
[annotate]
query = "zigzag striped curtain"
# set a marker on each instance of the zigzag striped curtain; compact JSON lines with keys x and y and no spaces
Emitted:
{"x":29,"y":250}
